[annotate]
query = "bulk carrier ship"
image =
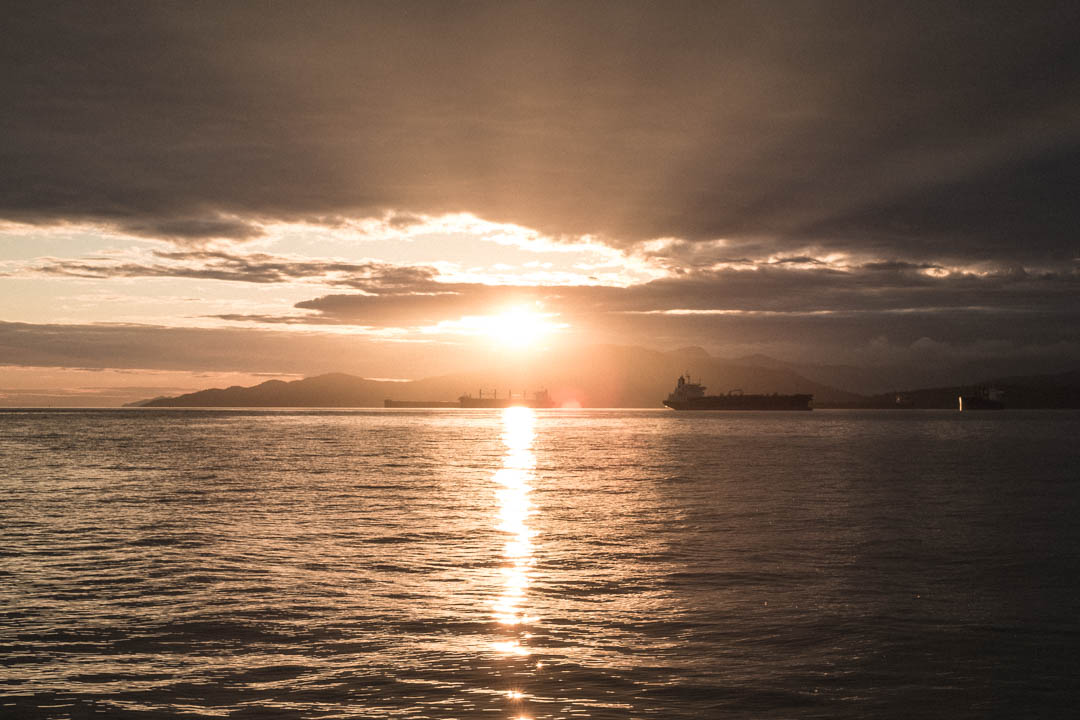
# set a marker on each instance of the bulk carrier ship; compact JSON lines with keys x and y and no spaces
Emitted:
{"x":691,"y":396}
{"x":491,"y":401}
{"x":536,"y":400}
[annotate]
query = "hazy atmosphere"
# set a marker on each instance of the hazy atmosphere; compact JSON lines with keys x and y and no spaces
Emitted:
{"x":199,"y":194}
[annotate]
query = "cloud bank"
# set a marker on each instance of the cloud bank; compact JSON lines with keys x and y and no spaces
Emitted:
{"x":919,"y":131}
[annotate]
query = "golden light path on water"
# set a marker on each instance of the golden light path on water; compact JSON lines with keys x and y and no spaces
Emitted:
{"x":514,"y":508}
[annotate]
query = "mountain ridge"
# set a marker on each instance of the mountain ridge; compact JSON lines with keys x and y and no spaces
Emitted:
{"x":599,"y":376}
{"x":1023,"y":392}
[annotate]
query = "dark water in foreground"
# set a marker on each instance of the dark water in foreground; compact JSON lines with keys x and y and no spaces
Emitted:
{"x":547,"y":564}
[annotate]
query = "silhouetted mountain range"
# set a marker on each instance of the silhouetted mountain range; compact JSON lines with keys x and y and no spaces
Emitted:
{"x":882,"y":379}
{"x":330,"y":390}
{"x":611,"y":376}
{"x":1026,"y":392}
{"x":599,"y":376}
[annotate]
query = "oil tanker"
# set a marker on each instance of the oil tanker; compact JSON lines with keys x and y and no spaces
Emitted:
{"x":691,"y":396}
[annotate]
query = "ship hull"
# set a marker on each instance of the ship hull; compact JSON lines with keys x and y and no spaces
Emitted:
{"x":483,"y":403}
{"x":743,"y":402}
{"x":496,"y":403}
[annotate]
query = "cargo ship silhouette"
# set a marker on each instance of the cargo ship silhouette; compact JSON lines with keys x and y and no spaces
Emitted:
{"x":539,"y":399}
{"x":691,"y":396}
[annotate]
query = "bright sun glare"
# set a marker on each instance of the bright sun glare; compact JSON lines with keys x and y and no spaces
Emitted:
{"x":517,"y":328}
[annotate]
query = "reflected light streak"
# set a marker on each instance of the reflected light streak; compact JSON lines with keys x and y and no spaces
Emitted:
{"x":514,"y":509}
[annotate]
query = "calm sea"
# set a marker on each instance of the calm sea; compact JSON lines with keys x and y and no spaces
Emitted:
{"x":539,"y":564}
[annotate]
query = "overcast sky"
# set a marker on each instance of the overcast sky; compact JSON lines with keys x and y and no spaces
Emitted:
{"x":236,"y":188}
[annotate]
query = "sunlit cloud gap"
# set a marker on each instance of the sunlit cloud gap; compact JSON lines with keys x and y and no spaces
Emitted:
{"x":285,"y":257}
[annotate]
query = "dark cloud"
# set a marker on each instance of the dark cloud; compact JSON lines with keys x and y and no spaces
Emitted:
{"x":882,"y":289}
{"x":898,"y":266}
{"x":925,"y":132}
{"x":184,"y":230}
{"x":426,"y":307}
{"x":311,"y":319}
{"x":250,"y":268}
{"x":798,"y":260}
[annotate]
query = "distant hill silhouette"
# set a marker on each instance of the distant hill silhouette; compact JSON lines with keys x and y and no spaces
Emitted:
{"x":330,"y":390}
{"x":860,"y":380}
{"x":884,"y":379}
{"x":145,"y":403}
{"x":1058,"y":391}
{"x":599,"y":376}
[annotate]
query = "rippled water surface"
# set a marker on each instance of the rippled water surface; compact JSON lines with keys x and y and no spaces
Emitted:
{"x":539,"y":564}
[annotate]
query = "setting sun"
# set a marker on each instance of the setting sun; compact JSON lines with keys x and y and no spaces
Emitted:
{"x":516,"y":328}
{"x":519,"y":327}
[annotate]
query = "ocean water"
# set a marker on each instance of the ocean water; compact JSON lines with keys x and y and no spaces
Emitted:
{"x":539,"y":564}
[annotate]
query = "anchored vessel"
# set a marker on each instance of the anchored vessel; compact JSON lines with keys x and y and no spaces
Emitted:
{"x":491,"y":400}
{"x":536,"y":400}
{"x":691,"y":396}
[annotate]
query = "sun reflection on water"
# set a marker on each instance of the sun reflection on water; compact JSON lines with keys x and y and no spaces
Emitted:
{"x":514,"y":510}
